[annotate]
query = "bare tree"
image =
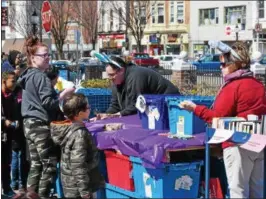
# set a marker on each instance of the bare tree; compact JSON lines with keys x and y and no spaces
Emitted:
{"x":87,"y":15}
{"x":135,"y":18}
{"x":20,"y":17}
{"x":60,"y":18}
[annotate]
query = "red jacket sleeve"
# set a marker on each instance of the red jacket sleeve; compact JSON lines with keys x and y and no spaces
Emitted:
{"x":224,"y":106}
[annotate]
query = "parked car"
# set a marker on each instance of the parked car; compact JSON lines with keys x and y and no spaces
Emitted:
{"x":88,"y":61}
{"x":208,"y":62}
{"x":167,"y":61}
{"x":61,"y":63}
{"x":143,"y":59}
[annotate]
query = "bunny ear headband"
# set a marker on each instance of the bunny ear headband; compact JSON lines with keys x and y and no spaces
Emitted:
{"x":105,"y":59}
{"x":224,"y":48}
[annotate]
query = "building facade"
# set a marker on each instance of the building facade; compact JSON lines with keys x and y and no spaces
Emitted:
{"x":226,"y":21}
{"x":167,"y":28}
{"x":111,"y":27}
{"x":259,"y":17}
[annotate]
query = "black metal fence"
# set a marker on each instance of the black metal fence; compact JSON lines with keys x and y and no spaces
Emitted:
{"x":203,"y":81}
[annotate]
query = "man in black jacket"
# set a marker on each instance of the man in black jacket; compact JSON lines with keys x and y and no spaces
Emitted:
{"x":128,"y":83}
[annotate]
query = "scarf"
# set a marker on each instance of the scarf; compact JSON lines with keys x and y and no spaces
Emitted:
{"x":241,"y":73}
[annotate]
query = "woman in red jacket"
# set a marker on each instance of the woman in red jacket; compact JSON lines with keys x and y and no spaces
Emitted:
{"x":240,"y":95}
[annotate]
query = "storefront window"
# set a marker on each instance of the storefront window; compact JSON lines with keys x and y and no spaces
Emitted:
{"x":235,"y":15}
{"x":209,"y":16}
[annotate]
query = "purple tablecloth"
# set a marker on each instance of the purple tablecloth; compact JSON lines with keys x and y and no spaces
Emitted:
{"x":135,"y":141}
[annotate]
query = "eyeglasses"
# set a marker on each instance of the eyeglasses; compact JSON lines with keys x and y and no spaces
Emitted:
{"x":225,"y":64}
{"x":46,"y":55}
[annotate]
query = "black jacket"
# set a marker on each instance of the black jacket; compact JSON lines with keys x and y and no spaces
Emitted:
{"x":80,"y":174}
{"x":138,"y":80}
{"x":38,"y":99}
{"x":8,"y":112}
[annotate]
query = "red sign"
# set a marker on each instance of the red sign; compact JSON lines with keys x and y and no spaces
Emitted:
{"x":258,"y":27}
{"x":121,"y":36}
{"x":46,"y":16}
{"x":4,"y":16}
{"x":228,"y":30}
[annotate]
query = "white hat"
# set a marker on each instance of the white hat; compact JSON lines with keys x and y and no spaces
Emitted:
{"x":256,"y":56}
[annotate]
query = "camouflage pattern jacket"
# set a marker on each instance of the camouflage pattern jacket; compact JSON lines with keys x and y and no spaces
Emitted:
{"x":79,"y":169}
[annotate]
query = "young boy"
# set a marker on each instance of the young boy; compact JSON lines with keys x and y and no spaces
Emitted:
{"x":80,"y":174}
{"x":9,"y":123}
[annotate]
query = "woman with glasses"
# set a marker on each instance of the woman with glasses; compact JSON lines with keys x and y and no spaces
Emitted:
{"x":38,"y":102}
{"x":240,"y":95}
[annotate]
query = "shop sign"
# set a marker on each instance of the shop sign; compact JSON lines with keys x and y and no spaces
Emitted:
{"x":153,"y":38}
{"x":119,"y":36}
{"x":172,"y":38}
{"x":4,"y":16}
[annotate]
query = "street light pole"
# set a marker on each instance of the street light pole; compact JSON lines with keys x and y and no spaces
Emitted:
{"x":158,"y":35}
{"x":237,"y":32}
{"x":34,"y":22}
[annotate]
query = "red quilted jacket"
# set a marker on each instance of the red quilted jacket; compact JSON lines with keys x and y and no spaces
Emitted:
{"x":240,"y":98}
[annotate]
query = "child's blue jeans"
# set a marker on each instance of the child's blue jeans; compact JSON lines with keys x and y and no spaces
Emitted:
{"x":17,"y":169}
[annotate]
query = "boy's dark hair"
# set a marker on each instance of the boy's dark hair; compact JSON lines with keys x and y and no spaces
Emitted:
{"x":52,"y":74}
{"x":74,"y":104}
{"x":6,"y":74}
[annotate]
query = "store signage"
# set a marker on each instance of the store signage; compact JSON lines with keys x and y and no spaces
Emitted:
{"x":4,"y":16}
{"x":153,"y":38}
{"x":172,"y":37}
{"x":119,"y":36}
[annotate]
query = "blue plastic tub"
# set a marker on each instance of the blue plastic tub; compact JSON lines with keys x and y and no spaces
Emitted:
{"x":116,"y":192}
{"x":170,"y":181}
{"x":155,"y":102}
{"x":64,"y":73}
{"x":183,"y":122}
{"x":99,"y":99}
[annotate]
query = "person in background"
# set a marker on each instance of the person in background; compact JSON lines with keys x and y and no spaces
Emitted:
{"x":4,"y":57}
{"x":240,"y":96}
{"x":8,"y":123}
{"x":128,"y":83}
{"x":79,"y":168}
{"x":57,"y":115}
{"x":13,"y":60}
{"x":37,"y":102}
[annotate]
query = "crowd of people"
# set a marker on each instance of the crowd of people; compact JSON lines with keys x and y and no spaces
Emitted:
{"x":44,"y":119}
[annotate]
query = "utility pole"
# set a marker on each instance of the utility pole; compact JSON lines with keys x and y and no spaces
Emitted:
{"x":81,"y":29}
{"x":127,"y":11}
{"x":257,"y":23}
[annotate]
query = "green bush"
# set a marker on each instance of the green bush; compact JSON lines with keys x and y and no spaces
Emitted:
{"x":96,"y":83}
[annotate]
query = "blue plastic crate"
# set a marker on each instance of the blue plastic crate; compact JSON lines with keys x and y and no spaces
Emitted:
{"x":64,"y":73}
{"x":99,"y":99}
{"x":154,"y":102}
{"x":169,"y":181}
{"x":116,"y":192}
{"x":183,"y":122}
